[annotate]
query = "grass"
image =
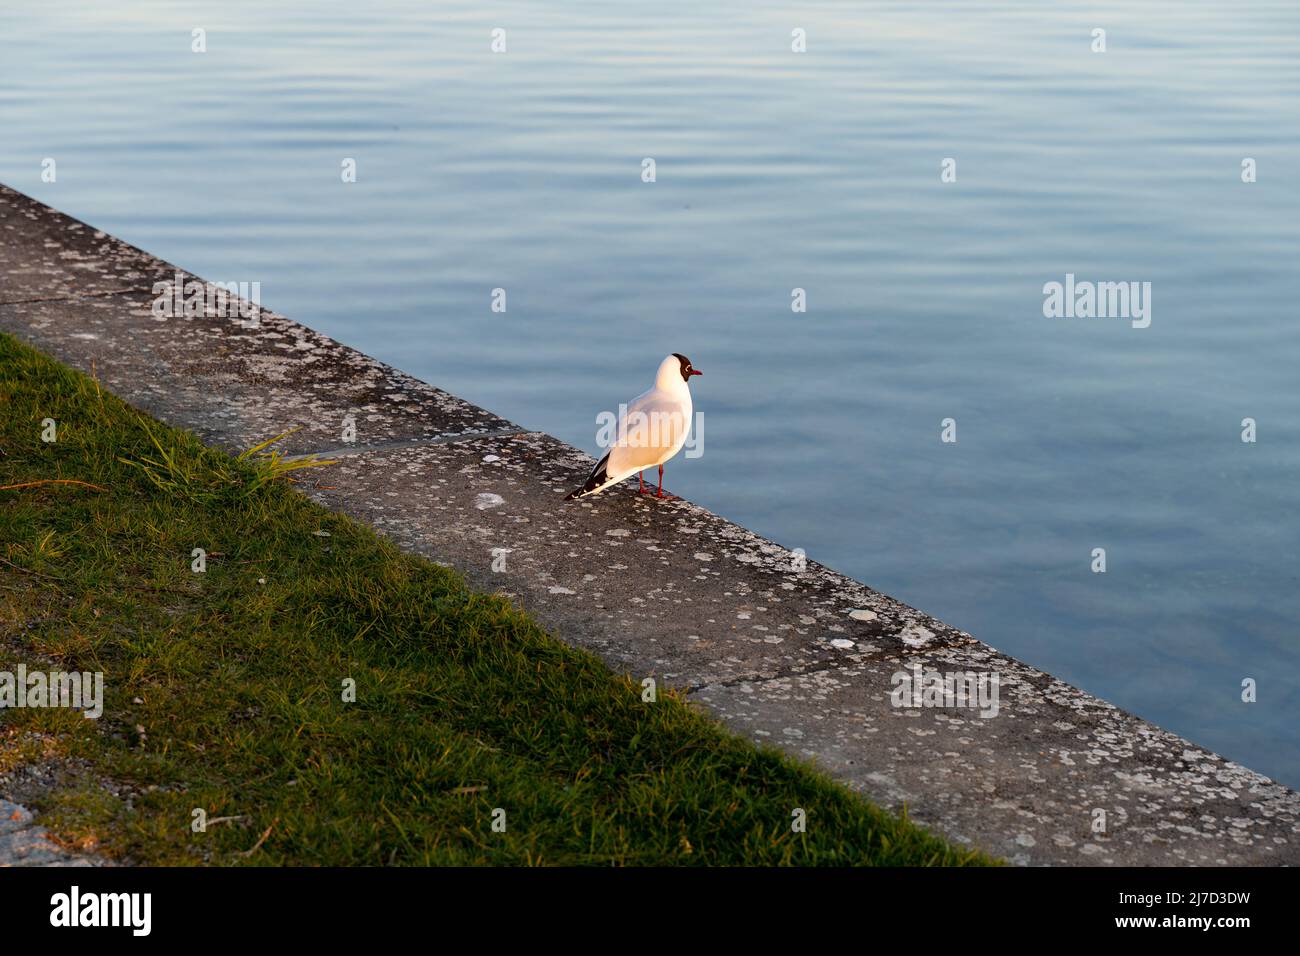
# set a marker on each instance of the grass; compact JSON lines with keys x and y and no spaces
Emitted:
{"x":200,"y":480}
{"x":224,"y":689}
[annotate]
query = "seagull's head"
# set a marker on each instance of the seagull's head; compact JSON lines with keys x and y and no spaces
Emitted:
{"x":674,"y":365}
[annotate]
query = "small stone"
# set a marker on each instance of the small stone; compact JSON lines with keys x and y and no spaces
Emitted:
{"x":861,"y":615}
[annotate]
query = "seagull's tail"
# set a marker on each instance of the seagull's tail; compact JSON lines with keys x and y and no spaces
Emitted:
{"x":597,"y":481}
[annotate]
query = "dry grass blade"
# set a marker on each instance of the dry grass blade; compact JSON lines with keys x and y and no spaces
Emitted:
{"x":258,"y":845}
{"x":51,"y":481}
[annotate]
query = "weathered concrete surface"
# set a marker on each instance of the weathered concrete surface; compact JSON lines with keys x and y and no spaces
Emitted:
{"x":1029,"y":781}
{"x":243,"y":380}
{"x":55,"y":257}
{"x":660,"y":588}
{"x":23,"y":843}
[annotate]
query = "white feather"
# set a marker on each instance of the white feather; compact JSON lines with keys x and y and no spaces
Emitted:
{"x":652,"y":429}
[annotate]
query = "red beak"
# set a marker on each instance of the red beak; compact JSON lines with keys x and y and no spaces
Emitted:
{"x":696,"y":371}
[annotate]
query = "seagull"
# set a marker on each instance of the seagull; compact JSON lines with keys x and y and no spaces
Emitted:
{"x":650,"y":430}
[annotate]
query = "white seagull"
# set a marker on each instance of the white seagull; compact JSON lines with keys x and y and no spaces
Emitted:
{"x":650,"y":430}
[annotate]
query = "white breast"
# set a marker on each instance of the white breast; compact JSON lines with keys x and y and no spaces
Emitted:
{"x":653,"y":430}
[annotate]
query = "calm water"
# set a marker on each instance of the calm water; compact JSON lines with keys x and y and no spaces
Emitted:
{"x":778,"y":170}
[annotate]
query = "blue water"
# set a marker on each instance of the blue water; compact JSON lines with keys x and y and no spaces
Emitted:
{"x":778,"y":170}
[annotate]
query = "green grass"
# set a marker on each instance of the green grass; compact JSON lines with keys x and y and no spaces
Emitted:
{"x":463,"y":703}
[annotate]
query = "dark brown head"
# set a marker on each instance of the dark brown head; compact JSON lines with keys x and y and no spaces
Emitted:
{"x":687,"y":368}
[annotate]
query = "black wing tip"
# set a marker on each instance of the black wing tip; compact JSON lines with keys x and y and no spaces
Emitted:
{"x":595,"y":481}
{"x":582,"y":492}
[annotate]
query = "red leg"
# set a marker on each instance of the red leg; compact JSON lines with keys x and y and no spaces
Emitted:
{"x":661,"y":482}
{"x":640,"y":477}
